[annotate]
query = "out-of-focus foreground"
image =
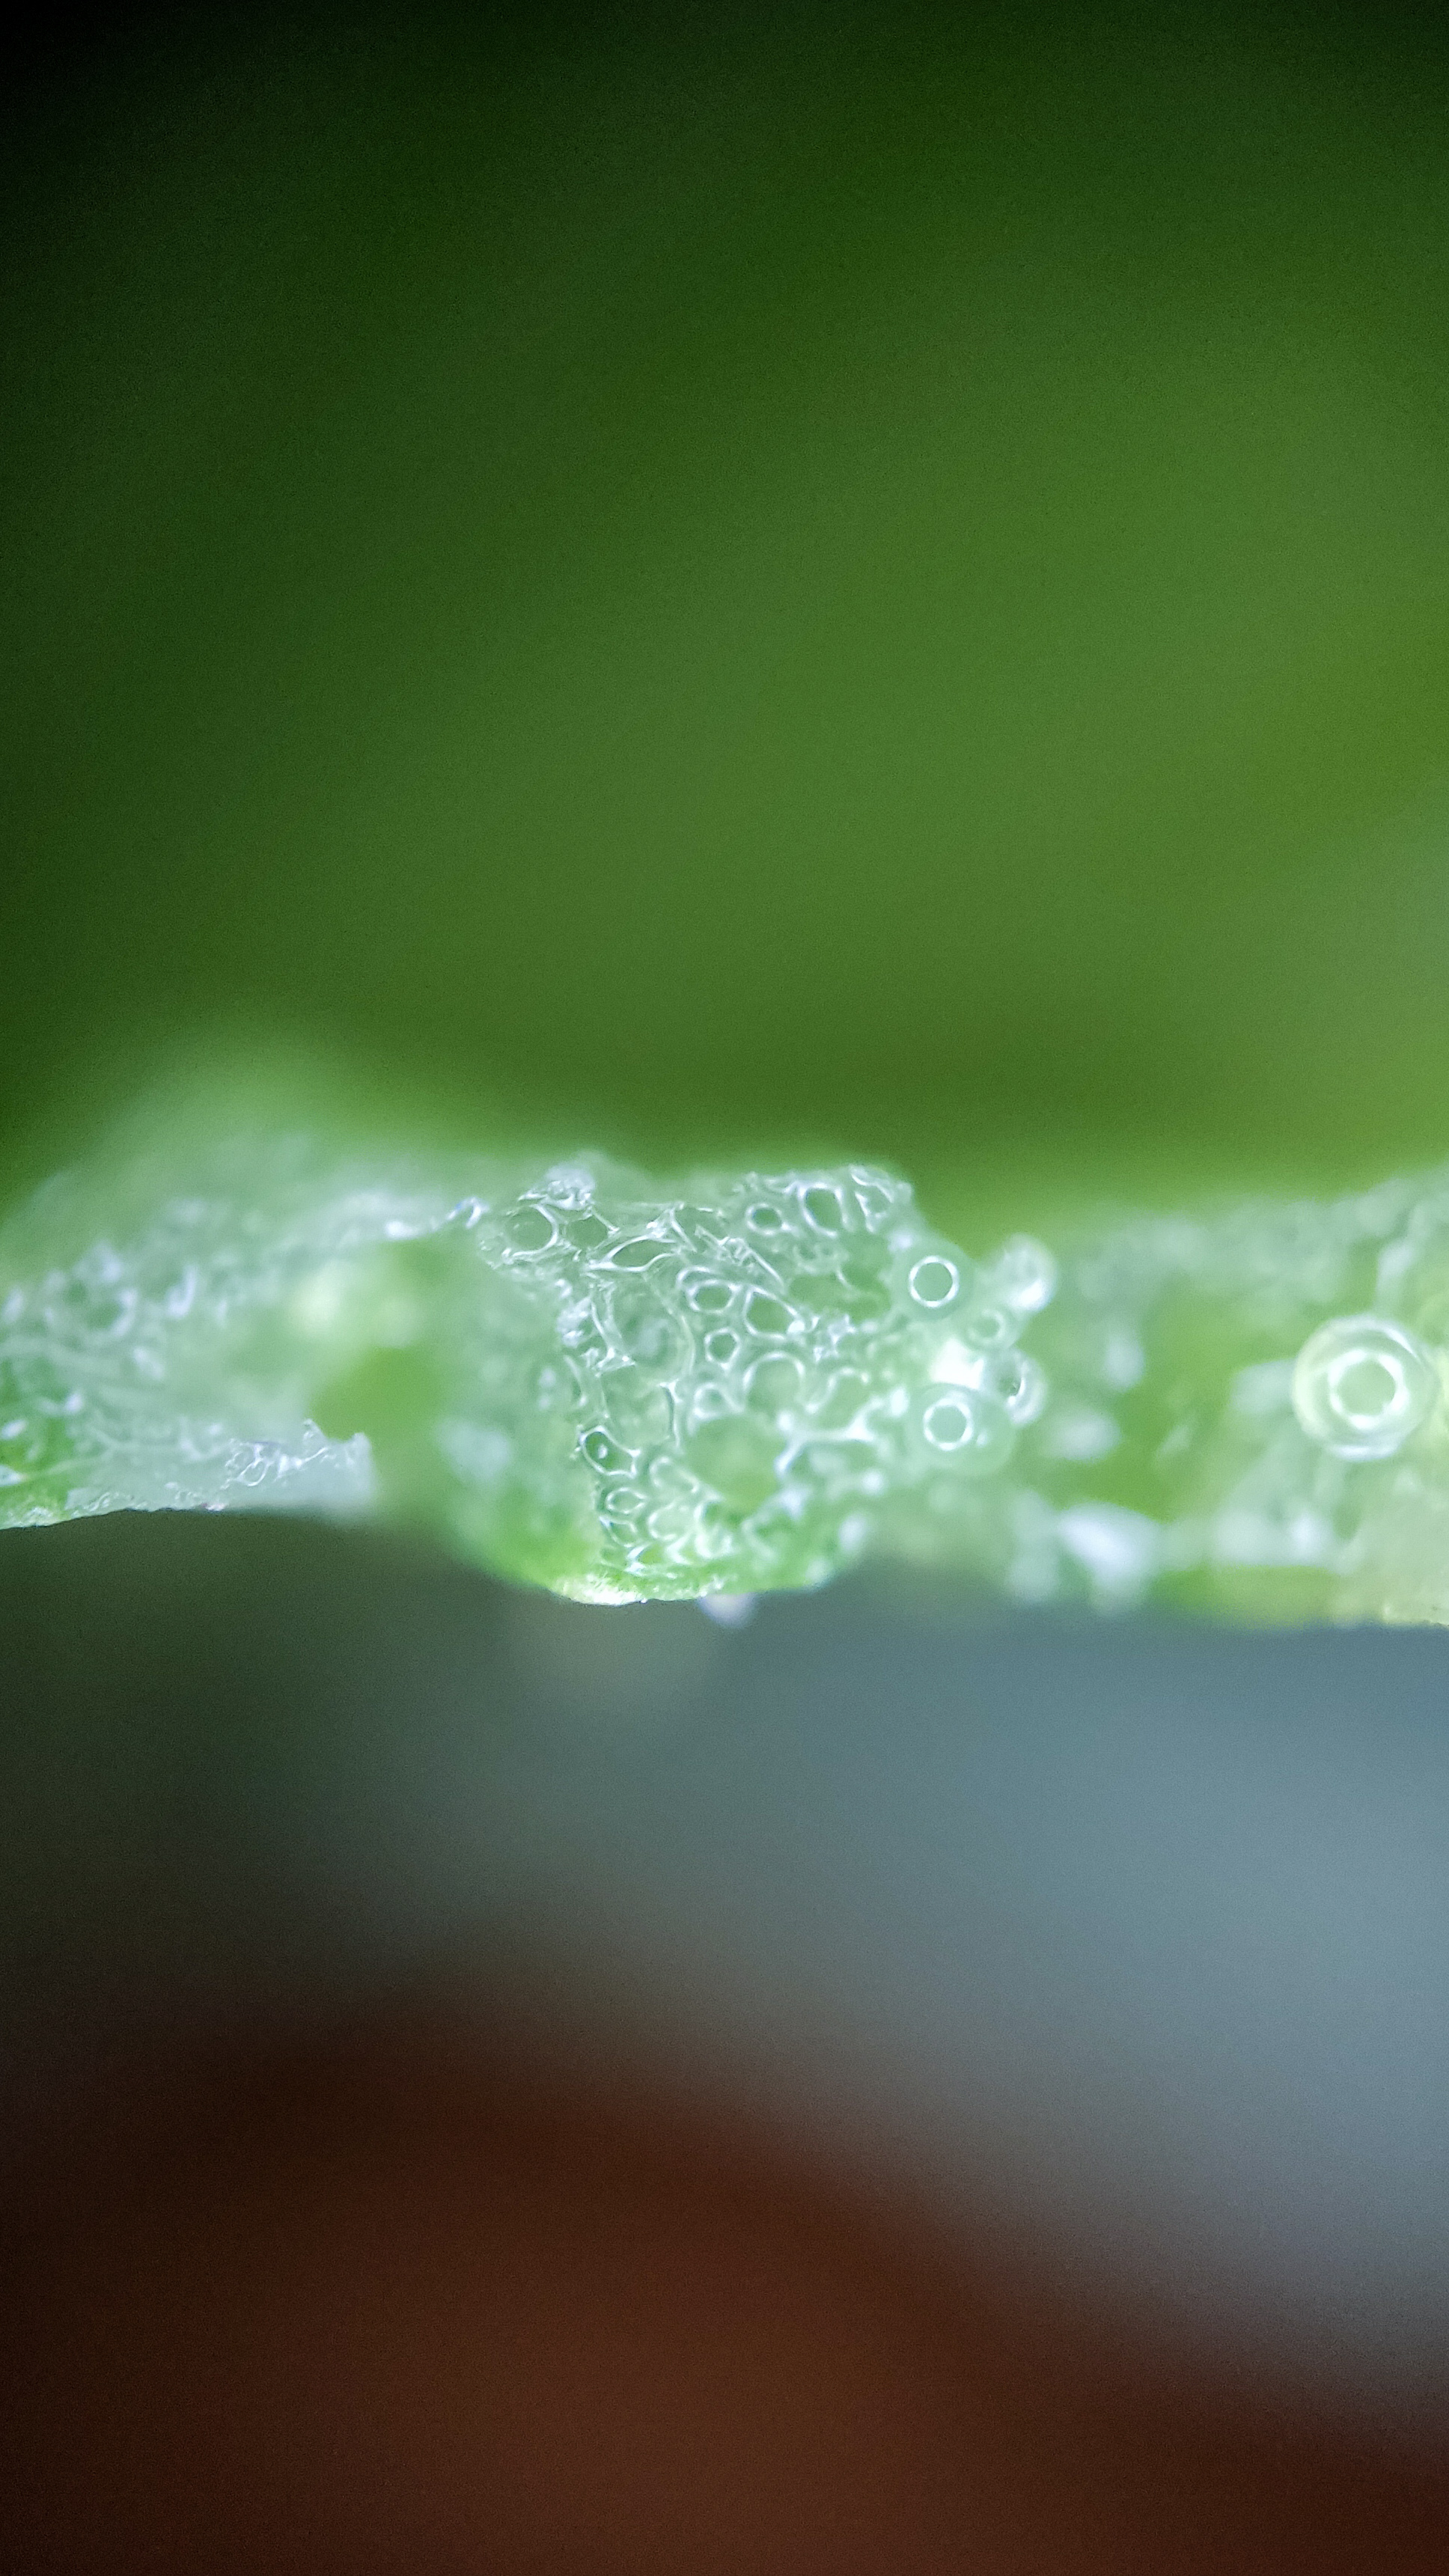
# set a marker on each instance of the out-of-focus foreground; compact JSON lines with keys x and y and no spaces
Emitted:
{"x":497,"y":2084}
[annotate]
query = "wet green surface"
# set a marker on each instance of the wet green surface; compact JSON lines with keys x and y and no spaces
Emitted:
{"x":629,"y":1387}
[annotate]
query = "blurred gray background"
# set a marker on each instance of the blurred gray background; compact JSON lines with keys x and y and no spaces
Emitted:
{"x":1127,"y":1945}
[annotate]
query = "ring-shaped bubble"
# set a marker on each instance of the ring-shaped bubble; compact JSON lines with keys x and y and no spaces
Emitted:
{"x":822,"y":1206}
{"x":707,"y":1294}
{"x":775,"y":1383}
{"x":966,"y":1429}
{"x":991,"y":1328}
{"x":934,"y":1281}
{"x":949,"y":1423}
{"x":531,"y":1228}
{"x":1363,"y":1386}
{"x":602,"y":1451}
{"x":765,"y":1315}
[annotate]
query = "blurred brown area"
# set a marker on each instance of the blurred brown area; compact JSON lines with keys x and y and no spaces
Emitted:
{"x":404,"y":2300}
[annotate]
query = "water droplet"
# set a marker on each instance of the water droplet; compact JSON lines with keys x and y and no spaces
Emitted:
{"x":762,"y":1218}
{"x":1024,"y":1274}
{"x":531,"y":1228}
{"x":878,"y":1198}
{"x":774,"y":1383}
{"x":934,"y":1281}
{"x":1363,"y":1386}
{"x":638,"y":1253}
{"x":729,"y":1609}
{"x":991,"y":1328}
{"x":823,"y":1207}
{"x":948,"y":1422}
{"x":707,"y":1295}
{"x":970,"y":1429}
{"x":1021,"y":1383}
{"x":765,"y":1314}
{"x":621,"y":1505}
{"x":720,"y":1348}
{"x":602,"y":1452}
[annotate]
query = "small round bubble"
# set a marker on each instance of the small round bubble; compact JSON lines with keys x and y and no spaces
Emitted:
{"x":1362,"y":1386}
{"x":991,"y":1328}
{"x":1021,"y":1383}
{"x":707,"y":1295}
{"x":602,"y":1452}
{"x":934,"y":1282}
{"x":823,"y":1207}
{"x":531,"y":1228}
{"x":774,"y":1383}
{"x":637,"y":1254}
{"x":969,"y":1430}
{"x":765,"y":1314}
{"x":948,"y":1423}
{"x":1024,"y":1274}
{"x":709,"y":1402}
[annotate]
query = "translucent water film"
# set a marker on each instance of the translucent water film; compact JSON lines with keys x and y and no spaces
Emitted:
{"x":578,"y":1377}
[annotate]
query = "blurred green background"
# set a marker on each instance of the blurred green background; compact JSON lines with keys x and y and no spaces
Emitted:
{"x":822,"y":579}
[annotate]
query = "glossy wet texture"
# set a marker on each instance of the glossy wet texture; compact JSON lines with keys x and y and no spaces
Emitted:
{"x":626,"y":1387}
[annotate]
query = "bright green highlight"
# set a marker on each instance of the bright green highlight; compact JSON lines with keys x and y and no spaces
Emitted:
{"x":579,"y":1377}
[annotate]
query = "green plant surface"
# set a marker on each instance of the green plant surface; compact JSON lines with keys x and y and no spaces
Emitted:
{"x":629,"y":1389}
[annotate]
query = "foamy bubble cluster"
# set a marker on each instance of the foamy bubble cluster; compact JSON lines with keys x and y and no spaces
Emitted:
{"x":579,"y":1378}
{"x":575,"y":1377}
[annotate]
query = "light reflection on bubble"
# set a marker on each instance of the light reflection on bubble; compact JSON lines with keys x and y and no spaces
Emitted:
{"x":582,"y":1378}
{"x":1363,"y":1386}
{"x":935,"y":1281}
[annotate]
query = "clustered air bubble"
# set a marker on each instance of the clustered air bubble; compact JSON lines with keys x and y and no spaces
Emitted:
{"x":580,"y":1378}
